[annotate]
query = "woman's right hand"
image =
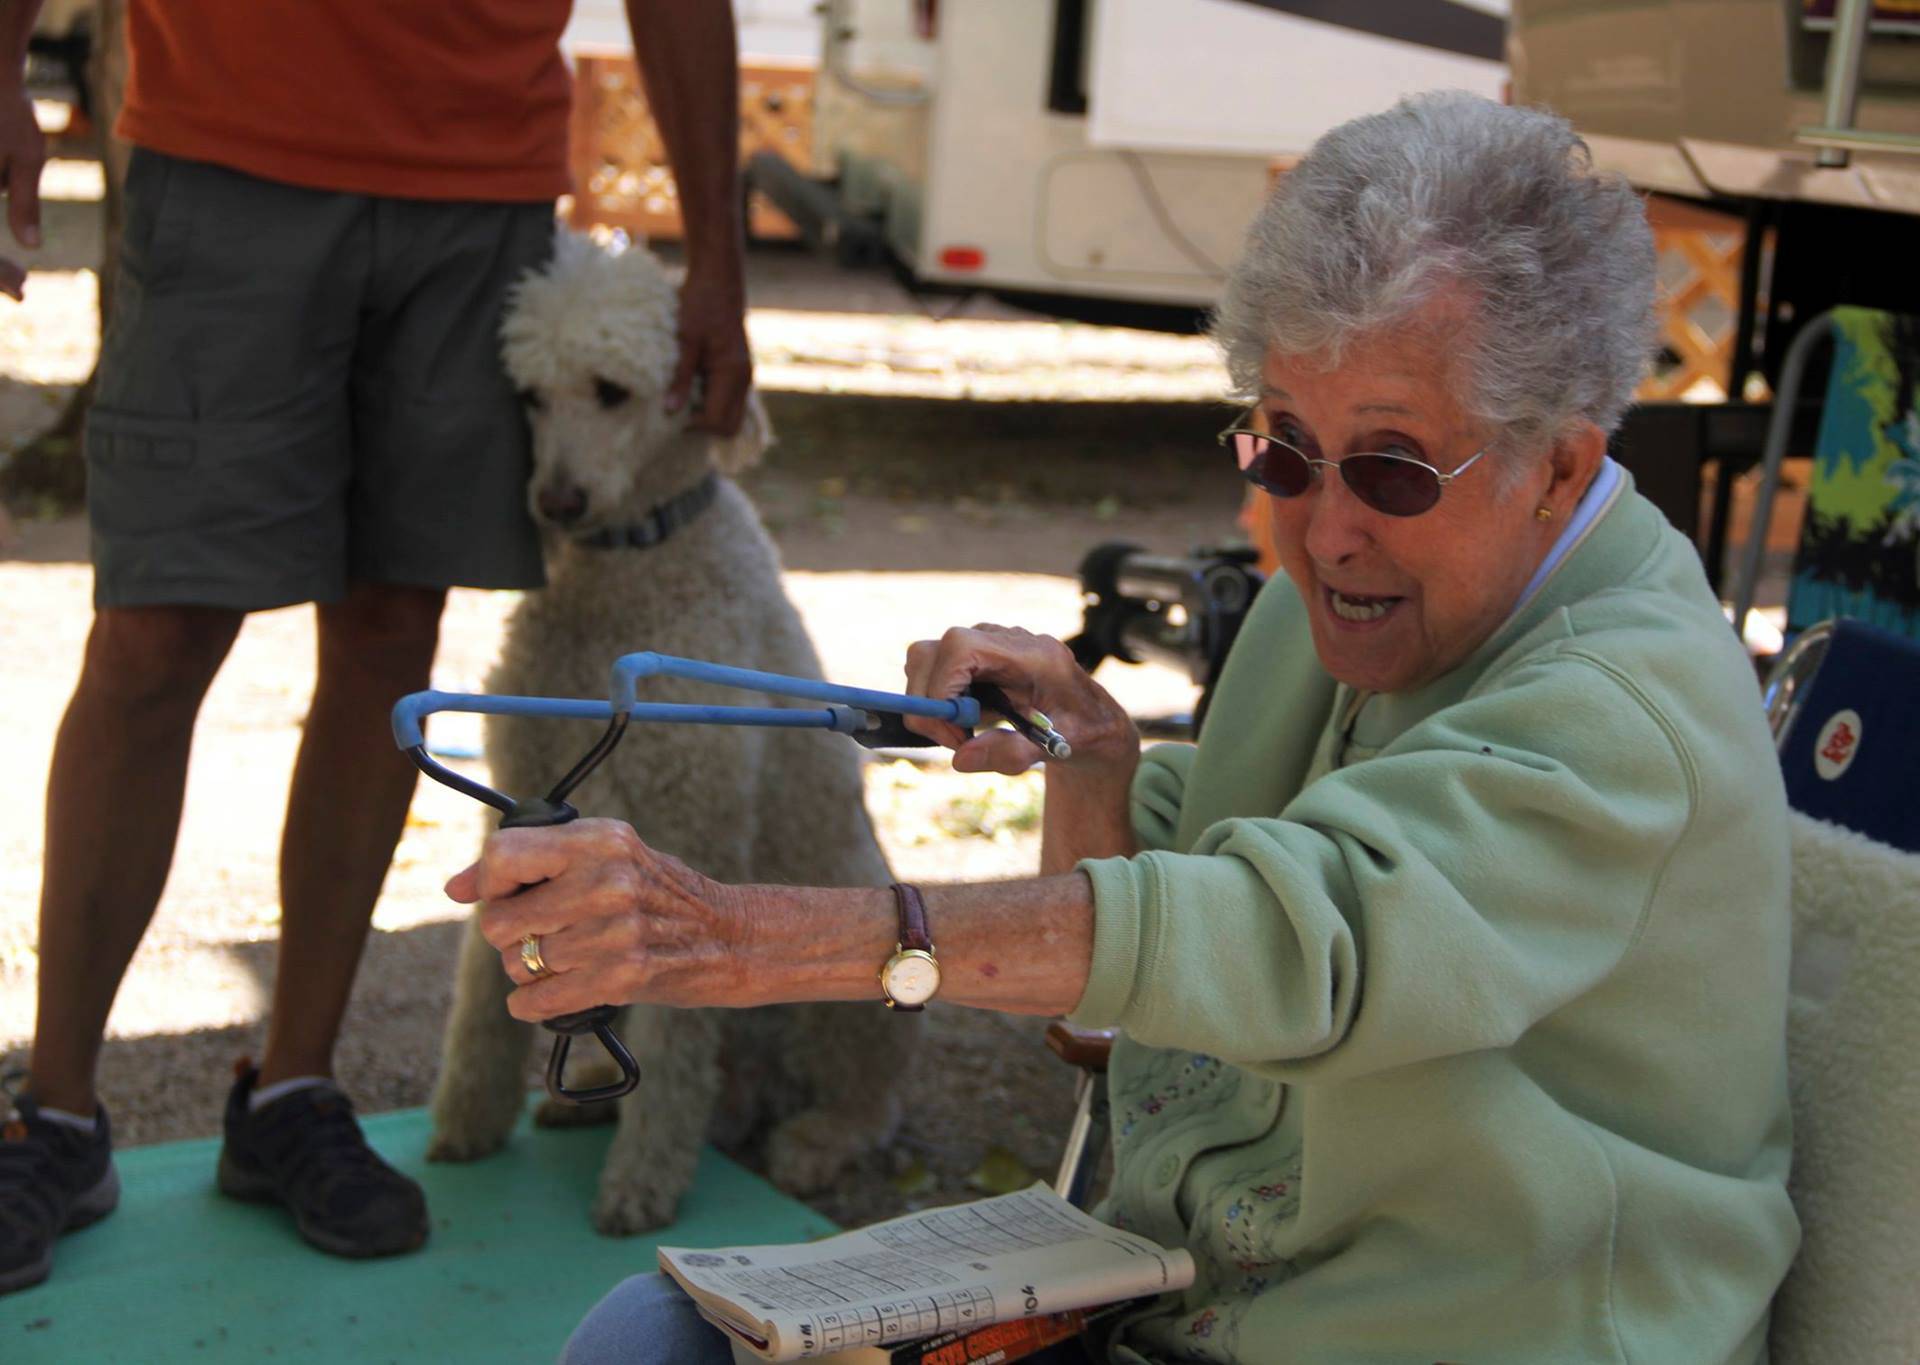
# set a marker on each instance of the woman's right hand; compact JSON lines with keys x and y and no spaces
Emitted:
{"x":1037,"y":673}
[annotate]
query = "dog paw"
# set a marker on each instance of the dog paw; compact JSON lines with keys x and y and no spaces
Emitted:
{"x":452,"y":1145}
{"x":470,"y":1122}
{"x":806,"y":1152}
{"x":551,"y":1113}
{"x":625,"y":1209}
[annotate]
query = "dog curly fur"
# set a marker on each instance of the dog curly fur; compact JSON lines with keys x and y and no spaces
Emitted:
{"x":739,"y":804}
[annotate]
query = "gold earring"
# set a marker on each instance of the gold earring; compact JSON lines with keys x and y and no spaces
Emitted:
{"x":1543,"y":513}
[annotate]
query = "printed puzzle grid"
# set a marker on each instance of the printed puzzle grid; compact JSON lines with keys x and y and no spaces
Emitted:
{"x":871,"y":1299}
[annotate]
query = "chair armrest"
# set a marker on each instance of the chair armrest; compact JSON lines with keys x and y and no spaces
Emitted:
{"x":1086,"y":1048}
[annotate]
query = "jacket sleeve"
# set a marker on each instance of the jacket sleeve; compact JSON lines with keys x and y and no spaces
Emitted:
{"x":1158,"y":786}
{"x":1487,"y":867}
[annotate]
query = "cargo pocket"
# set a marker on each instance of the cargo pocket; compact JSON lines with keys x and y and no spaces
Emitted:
{"x":140,"y":471}
{"x":234,"y":514}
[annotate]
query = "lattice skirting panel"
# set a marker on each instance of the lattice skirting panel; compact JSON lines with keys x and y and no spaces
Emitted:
{"x":1700,"y":254}
{"x":621,"y":176}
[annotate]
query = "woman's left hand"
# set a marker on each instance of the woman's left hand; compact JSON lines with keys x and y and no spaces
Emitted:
{"x":616,"y":921}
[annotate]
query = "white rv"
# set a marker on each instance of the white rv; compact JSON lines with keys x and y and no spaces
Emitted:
{"x":1082,"y":150}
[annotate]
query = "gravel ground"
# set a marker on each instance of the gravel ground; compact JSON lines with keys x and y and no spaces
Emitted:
{"x":875,"y":560}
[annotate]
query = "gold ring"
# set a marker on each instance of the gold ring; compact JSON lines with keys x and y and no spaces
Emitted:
{"x":530,"y":957}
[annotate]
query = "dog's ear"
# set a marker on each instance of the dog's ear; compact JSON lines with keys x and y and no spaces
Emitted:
{"x":743,"y":449}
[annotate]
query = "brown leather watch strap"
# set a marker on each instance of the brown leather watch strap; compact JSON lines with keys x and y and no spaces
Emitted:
{"x":913,"y":918}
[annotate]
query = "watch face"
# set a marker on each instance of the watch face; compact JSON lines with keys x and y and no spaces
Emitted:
{"x":912,"y":977}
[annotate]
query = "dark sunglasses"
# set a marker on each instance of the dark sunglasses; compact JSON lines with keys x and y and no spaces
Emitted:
{"x":1397,"y":485}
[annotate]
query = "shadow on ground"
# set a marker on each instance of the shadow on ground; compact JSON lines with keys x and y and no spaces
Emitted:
{"x":987,"y":1101}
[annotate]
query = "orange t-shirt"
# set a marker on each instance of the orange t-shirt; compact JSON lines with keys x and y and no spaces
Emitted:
{"x":414,"y":99}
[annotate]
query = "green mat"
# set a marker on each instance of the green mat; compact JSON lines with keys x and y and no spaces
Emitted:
{"x":181,"y":1274}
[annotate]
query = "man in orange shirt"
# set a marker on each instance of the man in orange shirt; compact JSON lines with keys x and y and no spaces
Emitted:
{"x":299,"y":399}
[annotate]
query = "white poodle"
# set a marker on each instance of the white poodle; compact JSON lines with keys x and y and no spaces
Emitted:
{"x":590,"y":341}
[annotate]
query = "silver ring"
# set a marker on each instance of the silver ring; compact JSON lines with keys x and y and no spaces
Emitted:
{"x":530,"y":957}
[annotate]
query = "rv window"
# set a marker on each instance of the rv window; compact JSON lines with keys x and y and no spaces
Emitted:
{"x":1067,"y":85}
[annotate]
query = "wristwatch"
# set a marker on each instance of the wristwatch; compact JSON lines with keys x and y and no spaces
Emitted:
{"x":911,"y":975}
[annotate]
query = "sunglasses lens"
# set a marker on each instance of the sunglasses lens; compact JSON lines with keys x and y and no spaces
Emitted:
{"x":1400,"y":488}
{"x":1279,"y":469}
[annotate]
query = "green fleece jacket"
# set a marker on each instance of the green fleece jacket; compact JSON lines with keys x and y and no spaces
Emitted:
{"x":1454,"y":1020}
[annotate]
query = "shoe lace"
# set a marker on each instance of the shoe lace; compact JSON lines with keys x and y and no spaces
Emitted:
{"x":324,"y":1145}
{"x":29,"y":1167}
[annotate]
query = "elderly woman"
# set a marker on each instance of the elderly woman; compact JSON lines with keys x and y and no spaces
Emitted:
{"x":1450,"y":966}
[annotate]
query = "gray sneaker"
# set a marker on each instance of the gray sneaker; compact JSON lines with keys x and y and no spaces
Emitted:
{"x":53,"y":1179}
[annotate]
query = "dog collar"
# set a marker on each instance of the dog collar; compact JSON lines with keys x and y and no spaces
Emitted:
{"x":659,"y":523}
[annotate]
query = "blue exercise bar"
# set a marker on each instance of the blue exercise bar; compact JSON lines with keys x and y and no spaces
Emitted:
{"x":846,"y":712}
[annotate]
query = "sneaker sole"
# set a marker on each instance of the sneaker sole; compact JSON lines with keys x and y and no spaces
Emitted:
{"x":253,"y":1187}
{"x":89,"y":1207}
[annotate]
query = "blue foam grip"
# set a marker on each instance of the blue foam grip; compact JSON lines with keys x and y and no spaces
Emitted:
{"x":410,"y":711}
{"x":630,"y":668}
{"x":846,"y":711}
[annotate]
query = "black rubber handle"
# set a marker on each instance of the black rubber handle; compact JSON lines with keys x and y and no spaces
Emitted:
{"x":537,"y":813}
{"x":891,"y":733}
{"x":599,"y":1022}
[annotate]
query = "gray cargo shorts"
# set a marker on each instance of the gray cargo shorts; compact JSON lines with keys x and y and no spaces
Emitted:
{"x":300,"y":388}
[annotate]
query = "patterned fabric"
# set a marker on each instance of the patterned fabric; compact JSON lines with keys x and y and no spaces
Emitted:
{"x":1860,"y":549}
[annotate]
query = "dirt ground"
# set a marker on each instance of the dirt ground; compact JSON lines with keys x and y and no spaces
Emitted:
{"x":946,"y":525}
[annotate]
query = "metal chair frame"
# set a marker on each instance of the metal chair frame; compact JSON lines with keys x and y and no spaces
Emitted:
{"x":1087,"y":1139}
{"x":1790,"y":675}
{"x":1792,"y":374}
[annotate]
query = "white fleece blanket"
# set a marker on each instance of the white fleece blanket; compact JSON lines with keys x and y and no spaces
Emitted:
{"x":1853,"y":1296}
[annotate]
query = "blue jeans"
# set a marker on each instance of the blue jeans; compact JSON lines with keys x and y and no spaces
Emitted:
{"x":647,"y":1320}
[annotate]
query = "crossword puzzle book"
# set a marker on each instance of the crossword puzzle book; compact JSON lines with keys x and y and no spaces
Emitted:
{"x":954,"y":1270}
{"x":998,"y":1343}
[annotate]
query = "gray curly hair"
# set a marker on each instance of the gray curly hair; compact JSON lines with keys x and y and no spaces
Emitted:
{"x":1451,"y":191}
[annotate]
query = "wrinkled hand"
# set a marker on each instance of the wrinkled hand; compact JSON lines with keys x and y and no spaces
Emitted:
{"x":713,"y":346}
{"x":618,"y":922}
{"x":1037,"y":673}
{"x":23,"y":151}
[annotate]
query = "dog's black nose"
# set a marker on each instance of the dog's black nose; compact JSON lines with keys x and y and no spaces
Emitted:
{"x":562,"y":504}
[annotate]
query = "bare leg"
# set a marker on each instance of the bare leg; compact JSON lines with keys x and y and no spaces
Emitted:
{"x":113,"y":812}
{"x":351,"y":789}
